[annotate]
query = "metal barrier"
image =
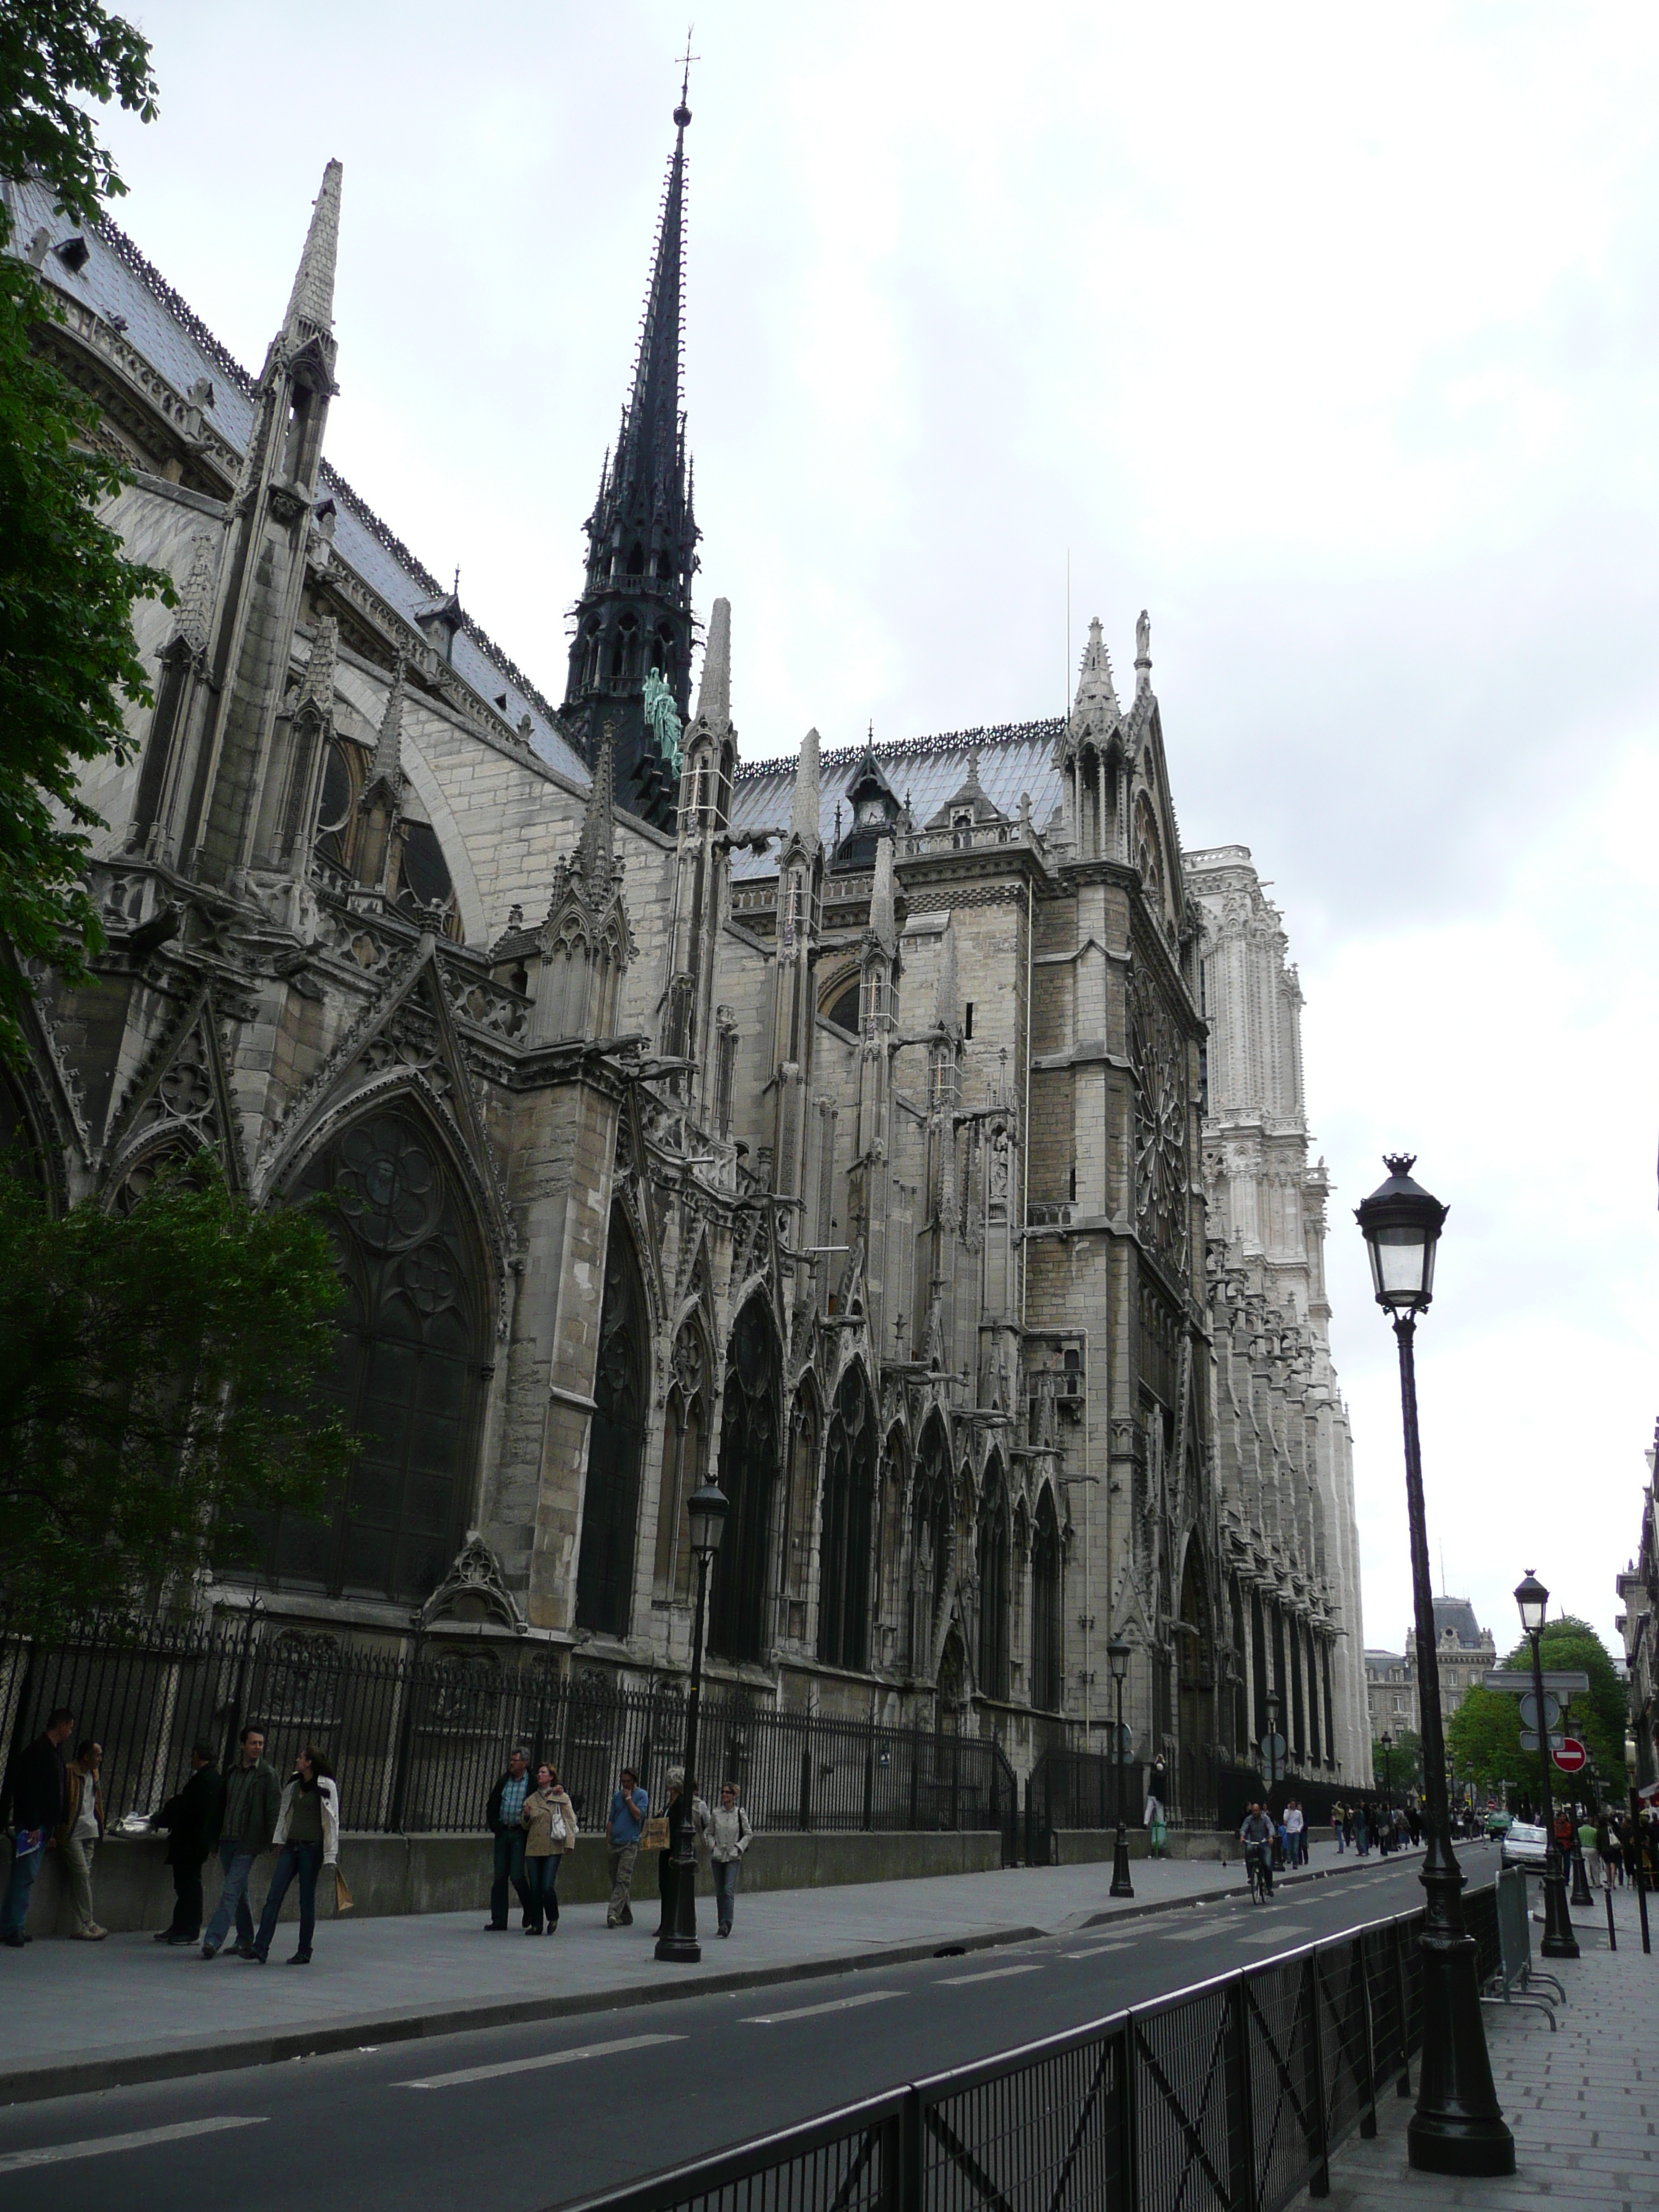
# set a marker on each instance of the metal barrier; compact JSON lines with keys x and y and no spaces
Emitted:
{"x":1231,"y":2095}
{"x":417,"y":1741}
{"x":1503,"y":1955}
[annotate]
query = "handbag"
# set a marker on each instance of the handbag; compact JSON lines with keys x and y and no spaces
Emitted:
{"x":654,"y":1835}
{"x":343,"y":1899}
{"x":556,"y":1828}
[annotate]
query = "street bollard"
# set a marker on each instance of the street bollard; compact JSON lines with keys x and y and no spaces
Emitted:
{"x":1613,"y":1937}
{"x":1642,"y":1904}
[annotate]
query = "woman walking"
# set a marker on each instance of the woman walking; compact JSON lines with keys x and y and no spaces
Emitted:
{"x":81,"y":1834}
{"x":307,"y":1840}
{"x":550,"y":1819}
{"x":727,"y":1832}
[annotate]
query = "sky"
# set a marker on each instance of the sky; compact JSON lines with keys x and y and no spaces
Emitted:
{"x":1326,"y":335}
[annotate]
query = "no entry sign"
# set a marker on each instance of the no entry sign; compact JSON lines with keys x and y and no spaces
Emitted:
{"x":1570,"y":1754}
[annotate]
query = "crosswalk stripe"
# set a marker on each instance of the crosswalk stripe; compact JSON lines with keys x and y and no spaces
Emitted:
{"x":810,"y":2012}
{"x":14,"y":2161}
{"x":530,"y":2065}
{"x":995,"y":1974}
{"x":1099,"y":1950}
{"x":1276,"y":1934}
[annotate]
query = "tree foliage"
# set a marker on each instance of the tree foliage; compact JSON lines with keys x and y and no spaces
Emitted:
{"x":1483,"y":1734}
{"x":67,"y":590}
{"x":160,"y":1378}
{"x":1404,"y":1765}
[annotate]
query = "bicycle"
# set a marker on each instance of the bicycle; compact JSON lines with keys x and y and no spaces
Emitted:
{"x":1256,"y":1861}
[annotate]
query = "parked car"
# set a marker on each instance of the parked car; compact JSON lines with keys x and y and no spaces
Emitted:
{"x":1525,"y":1845}
{"x":1500,"y":1823}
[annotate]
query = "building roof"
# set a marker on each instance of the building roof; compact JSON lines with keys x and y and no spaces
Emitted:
{"x":1457,"y":1614}
{"x":117,"y":283}
{"x":1014,"y":758}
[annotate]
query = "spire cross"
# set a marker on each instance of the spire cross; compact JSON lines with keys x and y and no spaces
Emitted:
{"x":683,"y":113}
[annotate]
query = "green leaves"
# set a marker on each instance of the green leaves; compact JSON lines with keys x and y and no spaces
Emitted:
{"x":1483,"y":1734}
{"x":50,"y":51}
{"x":160,"y":1377}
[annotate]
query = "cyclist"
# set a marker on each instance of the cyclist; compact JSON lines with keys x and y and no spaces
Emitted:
{"x":1256,"y":1834}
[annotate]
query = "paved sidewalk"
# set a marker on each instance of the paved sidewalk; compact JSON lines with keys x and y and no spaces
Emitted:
{"x":1582,"y":2104}
{"x":81,"y":2016}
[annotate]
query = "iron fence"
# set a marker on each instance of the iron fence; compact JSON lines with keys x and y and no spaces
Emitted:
{"x":417,"y":1741}
{"x":1226,"y":2098}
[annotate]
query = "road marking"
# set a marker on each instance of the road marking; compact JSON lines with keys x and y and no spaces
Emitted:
{"x":995,"y":1974}
{"x":529,"y":2065}
{"x":1099,"y":1950}
{"x":1271,"y":1934}
{"x":1188,"y":1935}
{"x":14,"y":2161}
{"x":809,"y":2012}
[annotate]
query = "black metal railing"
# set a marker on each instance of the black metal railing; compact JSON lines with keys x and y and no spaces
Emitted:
{"x":1226,"y":2098}
{"x":417,"y":1741}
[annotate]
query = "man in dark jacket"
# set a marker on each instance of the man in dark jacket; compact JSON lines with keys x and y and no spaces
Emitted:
{"x":254,"y":1798}
{"x":191,"y":1820}
{"x":40,"y":1792}
{"x":501,"y":1818}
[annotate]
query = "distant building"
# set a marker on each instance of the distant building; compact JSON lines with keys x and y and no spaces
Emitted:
{"x":1391,"y":1692}
{"x":1464,"y":1650}
{"x":1638,"y":1624}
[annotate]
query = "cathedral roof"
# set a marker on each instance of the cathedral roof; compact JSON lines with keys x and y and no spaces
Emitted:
{"x":927,"y":772}
{"x":115,"y":283}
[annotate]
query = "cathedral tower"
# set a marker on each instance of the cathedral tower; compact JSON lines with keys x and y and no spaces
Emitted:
{"x":630,"y":658}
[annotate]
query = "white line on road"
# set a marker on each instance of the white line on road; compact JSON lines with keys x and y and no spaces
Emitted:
{"x":1189,"y":1934}
{"x":809,"y":2012}
{"x":1099,"y":1950}
{"x":1271,"y":1934}
{"x":14,"y":2161}
{"x":529,"y":2065}
{"x":995,"y":1974}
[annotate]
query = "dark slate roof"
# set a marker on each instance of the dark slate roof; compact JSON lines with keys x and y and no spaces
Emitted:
{"x":120,"y":285}
{"x":1013,"y":757}
{"x":1457,"y":1614}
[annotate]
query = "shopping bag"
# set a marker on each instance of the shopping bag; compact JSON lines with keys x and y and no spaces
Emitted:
{"x":654,"y":1836}
{"x":342,"y":1900}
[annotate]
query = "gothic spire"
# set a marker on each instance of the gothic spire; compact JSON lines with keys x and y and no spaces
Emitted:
{"x":804,"y":815}
{"x":596,"y":850}
{"x":194,"y":614}
{"x":385,"y":764}
{"x":311,"y":304}
{"x":1095,"y":686}
{"x":947,"y":993}
{"x":714,"y":692}
{"x":316,"y":690}
{"x":883,"y":922}
{"x":650,"y":451}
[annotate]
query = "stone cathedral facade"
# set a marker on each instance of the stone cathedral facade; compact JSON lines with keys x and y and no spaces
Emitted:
{"x":835,"y":1126}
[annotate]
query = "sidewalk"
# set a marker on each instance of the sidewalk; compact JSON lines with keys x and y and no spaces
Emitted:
{"x":83,"y":2016}
{"x":1582,"y":2104}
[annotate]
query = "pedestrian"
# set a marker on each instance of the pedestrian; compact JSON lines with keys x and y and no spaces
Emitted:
{"x":630,"y":1808}
{"x":191,"y":1820}
{"x":501,"y":1818}
{"x":80,"y":1832}
{"x":550,"y":1825}
{"x":668,"y":1858}
{"x":1415,"y":1822}
{"x":1605,"y":1849}
{"x":728,"y":1832}
{"x":1154,"y":1811}
{"x":39,"y":1789}
{"x":1296,"y":1832}
{"x":307,"y":1840}
{"x":1362,"y":1830}
{"x":1339,"y":1829}
{"x":1585,"y":1839}
{"x":254,"y":1798}
{"x":1256,"y":1832}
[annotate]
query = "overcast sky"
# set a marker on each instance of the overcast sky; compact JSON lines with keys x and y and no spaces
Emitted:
{"x":1329,"y":337}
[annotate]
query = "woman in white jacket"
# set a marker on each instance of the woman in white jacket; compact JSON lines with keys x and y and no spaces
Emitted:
{"x":307,"y":1840}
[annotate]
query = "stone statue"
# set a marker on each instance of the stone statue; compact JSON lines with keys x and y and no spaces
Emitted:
{"x":662,"y":718}
{"x":1143,"y":637}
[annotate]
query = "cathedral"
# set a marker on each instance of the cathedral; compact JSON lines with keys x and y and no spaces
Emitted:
{"x":907,"y":1136}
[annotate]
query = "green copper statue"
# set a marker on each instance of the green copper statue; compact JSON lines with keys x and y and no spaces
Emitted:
{"x":662,"y":718}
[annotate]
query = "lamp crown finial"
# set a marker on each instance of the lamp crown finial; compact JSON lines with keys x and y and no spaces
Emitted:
{"x":1400,"y":1163}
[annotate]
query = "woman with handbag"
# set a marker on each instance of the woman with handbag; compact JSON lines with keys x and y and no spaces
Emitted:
{"x":307,"y":1840}
{"x":550,"y":1818}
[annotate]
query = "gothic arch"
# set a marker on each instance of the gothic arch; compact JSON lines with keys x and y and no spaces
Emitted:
{"x":846,"y":1524}
{"x":932,"y":1520}
{"x":686,"y":1412}
{"x":414,"y":1348}
{"x":1046,"y":1605}
{"x":992,"y":1564}
{"x":615,"y":1442}
{"x":804,"y":1451}
{"x":1195,"y":1681}
{"x":750,"y":1425}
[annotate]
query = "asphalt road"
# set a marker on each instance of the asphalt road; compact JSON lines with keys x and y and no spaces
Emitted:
{"x":537,"y":2115}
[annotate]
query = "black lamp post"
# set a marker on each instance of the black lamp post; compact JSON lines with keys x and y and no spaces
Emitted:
{"x":1117,"y":1656}
{"x":1559,"y":1942}
{"x":1386,"y":1840}
{"x":1457,"y":2127}
{"x":707,"y":1511}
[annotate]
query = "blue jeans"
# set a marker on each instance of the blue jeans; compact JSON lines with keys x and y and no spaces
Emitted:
{"x":25,"y":1865}
{"x":509,"y":1866}
{"x":726,"y":1891}
{"x":541,"y":1889}
{"x":305,"y":1860}
{"x":233,"y":1899}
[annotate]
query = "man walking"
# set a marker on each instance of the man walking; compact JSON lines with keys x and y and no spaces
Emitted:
{"x":1296,"y":1833}
{"x":191,"y":1820}
{"x":628,"y":1808}
{"x":80,"y":1833}
{"x":254,"y":1797}
{"x":501,"y":1818}
{"x":40,"y":1792}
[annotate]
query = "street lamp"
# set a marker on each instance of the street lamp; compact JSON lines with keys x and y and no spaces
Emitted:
{"x":1559,"y":1942}
{"x":1457,"y":2127}
{"x":1387,"y":1742}
{"x":706,"y":1510}
{"x":1117,"y":1656}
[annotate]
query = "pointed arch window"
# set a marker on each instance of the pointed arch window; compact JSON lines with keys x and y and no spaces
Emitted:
{"x":930,"y":1542}
{"x":685,"y":1460}
{"x":1046,"y":1608}
{"x":992,"y":1560}
{"x":751,"y":1421}
{"x":610,"y":1500}
{"x":409,"y":1370}
{"x":804,"y":1431}
{"x":849,"y":1490}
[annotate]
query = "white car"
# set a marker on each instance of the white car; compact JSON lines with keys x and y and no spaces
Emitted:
{"x":1524,"y":1846}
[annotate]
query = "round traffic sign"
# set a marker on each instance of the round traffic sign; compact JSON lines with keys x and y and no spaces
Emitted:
{"x":1570,"y":1754}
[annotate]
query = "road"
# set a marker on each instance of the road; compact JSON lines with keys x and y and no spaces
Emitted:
{"x":540,"y":2115}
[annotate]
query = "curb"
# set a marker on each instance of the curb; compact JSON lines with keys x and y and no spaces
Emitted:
{"x":138,"y":2064}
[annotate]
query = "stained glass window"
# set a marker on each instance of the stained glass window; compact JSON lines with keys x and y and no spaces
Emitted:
{"x":850,"y":1483}
{"x":604,"y":1564}
{"x":751,"y":1422}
